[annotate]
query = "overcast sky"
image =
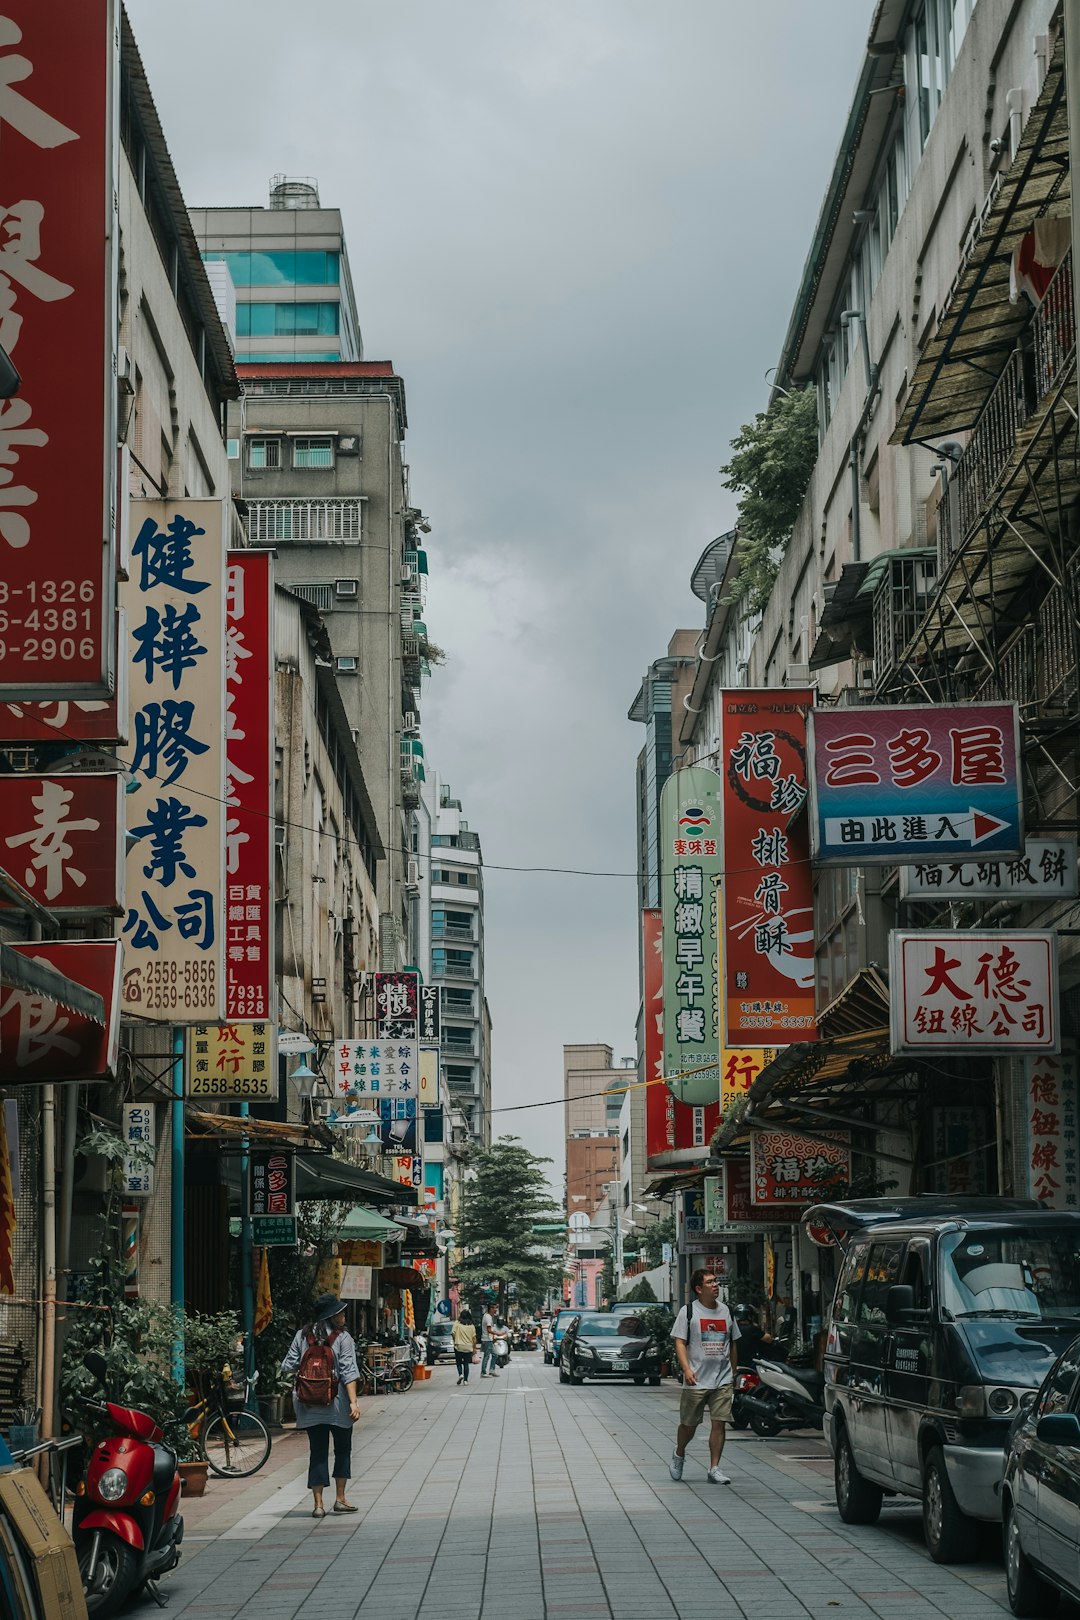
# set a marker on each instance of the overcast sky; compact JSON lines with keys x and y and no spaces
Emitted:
{"x":577,"y":228}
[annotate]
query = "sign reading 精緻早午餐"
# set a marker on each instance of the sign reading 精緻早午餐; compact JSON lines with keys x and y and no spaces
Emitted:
{"x":232,"y":1060}
{"x":974,"y":991}
{"x":675,"y":1132}
{"x":768,"y":899}
{"x":689,"y":871}
{"x":1047,"y":867}
{"x":923,"y":784}
{"x":173,"y":931}
{"x":248,"y":921}
{"x":60,"y":74}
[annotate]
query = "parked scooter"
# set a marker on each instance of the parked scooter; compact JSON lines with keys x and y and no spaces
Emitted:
{"x":747,"y":1383}
{"x":126,"y":1523}
{"x":788,"y":1398}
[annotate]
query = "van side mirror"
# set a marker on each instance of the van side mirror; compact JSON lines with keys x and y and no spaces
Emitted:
{"x":900,"y":1305}
{"x":1059,"y":1429}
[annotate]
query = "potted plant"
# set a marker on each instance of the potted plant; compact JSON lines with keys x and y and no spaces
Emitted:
{"x":658,"y":1321}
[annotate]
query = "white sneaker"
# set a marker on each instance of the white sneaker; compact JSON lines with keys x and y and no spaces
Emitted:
{"x":718,"y":1477}
{"x":493,"y":1375}
{"x":675,"y":1466}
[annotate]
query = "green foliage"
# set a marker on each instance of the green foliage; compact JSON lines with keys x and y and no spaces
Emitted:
{"x":642,"y":1290}
{"x":772,"y":459}
{"x":655,"y":1235}
{"x":659,"y":1321}
{"x":292,"y":1288}
{"x":607,"y":1279}
{"x":508,"y":1196}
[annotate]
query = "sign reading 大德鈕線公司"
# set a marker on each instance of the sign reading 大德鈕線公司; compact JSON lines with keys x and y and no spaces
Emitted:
{"x":915,"y":784}
{"x":1047,"y":867}
{"x":974,"y":991}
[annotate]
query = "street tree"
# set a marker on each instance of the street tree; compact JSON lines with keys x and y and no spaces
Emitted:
{"x":508,"y":1197}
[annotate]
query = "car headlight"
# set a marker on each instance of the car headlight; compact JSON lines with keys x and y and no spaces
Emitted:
{"x":112,"y":1484}
{"x":1002,"y":1402}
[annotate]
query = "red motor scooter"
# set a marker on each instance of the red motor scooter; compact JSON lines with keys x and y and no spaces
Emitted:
{"x":126,"y":1525}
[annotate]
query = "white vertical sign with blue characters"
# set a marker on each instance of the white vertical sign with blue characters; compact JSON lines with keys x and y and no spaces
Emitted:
{"x":175,"y":654}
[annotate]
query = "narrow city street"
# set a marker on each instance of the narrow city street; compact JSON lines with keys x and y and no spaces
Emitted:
{"x":520,"y":1499}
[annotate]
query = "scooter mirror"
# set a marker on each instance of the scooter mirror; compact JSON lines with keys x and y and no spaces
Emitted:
{"x":97,"y":1366}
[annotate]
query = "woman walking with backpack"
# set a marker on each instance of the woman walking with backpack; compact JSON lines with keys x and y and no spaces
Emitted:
{"x":464,"y":1337}
{"x":323,"y":1358}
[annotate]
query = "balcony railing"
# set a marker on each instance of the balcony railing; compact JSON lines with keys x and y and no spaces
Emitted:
{"x":458,"y":970}
{"x":461,"y":931}
{"x":1039,"y":670}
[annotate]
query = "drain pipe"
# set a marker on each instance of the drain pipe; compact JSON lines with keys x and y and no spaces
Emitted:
{"x":849,"y":317}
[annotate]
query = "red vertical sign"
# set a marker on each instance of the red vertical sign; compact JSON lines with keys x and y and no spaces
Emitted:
{"x":58,"y":323}
{"x":249,"y":787}
{"x":767,"y":884}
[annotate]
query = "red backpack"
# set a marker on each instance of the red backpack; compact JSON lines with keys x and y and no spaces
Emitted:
{"x":316,"y":1377}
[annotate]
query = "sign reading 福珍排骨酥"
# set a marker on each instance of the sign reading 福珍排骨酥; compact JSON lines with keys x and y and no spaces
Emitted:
{"x":1051,"y":1119}
{"x":689,"y":871}
{"x":60,"y":74}
{"x":768,"y":899}
{"x":915,"y":784}
{"x":232,"y":1061}
{"x":248,"y":921}
{"x":173,"y":931}
{"x":376,"y":1068}
{"x":1047,"y":867}
{"x":974,"y":991}
{"x":788,"y":1170}
{"x":61,"y":838}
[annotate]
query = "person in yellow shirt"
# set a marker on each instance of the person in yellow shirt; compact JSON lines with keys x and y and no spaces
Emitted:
{"x":464,"y":1337}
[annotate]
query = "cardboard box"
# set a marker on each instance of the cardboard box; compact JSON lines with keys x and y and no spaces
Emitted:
{"x":48,"y":1548}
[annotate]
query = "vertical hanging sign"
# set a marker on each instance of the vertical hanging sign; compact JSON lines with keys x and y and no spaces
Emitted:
{"x":59,"y":76}
{"x":689,"y":871}
{"x":173,"y":933}
{"x":768,"y":890}
{"x":248,"y":922}
{"x":659,"y":1103}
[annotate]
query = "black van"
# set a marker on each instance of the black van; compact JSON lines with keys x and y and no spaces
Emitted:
{"x":947,"y":1316}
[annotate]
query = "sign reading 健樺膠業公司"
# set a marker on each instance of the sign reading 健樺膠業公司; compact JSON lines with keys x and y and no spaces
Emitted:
{"x":175,"y":649}
{"x":917,"y":784}
{"x":59,"y":82}
{"x":768,"y":899}
{"x":248,"y":920}
{"x":689,"y":870}
{"x":974,"y":991}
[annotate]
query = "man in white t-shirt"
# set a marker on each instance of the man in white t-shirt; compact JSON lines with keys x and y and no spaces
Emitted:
{"x":487,"y":1345}
{"x":704,"y":1335}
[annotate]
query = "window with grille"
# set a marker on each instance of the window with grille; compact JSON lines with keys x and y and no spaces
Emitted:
{"x":320,"y":596}
{"x":304,"y":520}
{"x":264,"y":453}
{"x":313,"y":452}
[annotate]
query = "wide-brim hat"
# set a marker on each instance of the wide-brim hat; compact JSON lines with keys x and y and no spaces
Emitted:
{"x":327,"y":1306}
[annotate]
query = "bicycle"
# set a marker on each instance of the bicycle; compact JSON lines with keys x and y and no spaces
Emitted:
{"x":386,"y":1369}
{"x":233,"y":1441}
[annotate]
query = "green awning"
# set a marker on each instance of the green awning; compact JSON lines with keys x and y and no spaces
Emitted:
{"x":367,"y":1225}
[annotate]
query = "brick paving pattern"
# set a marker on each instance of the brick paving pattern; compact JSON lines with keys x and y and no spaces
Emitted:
{"x":522,"y":1499}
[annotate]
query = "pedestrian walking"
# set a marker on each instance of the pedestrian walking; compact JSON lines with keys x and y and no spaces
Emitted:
{"x":464,"y":1337}
{"x":487,"y":1345}
{"x":323,"y":1358}
{"x":704,"y":1335}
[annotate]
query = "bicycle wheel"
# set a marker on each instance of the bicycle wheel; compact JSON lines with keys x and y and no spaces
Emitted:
{"x":235,"y":1444}
{"x":403,"y":1377}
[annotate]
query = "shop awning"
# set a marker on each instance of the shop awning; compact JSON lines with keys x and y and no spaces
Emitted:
{"x":979,"y":327}
{"x":36,"y":978}
{"x":366,"y":1225}
{"x":317,"y":1176}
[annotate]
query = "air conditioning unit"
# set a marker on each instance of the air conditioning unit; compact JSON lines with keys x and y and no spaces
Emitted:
{"x":346,"y":666}
{"x":408,"y":574}
{"x":348,"y":445}
{"x":279,"y":835}
{"x":347,"y":587}
{"x":412,"y":875}
{"x":124,"y":379}
{"x":410,"y":723}
{"x":798,"y":674}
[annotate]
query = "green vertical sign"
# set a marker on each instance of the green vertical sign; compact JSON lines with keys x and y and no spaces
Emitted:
{"x":690,"y":866}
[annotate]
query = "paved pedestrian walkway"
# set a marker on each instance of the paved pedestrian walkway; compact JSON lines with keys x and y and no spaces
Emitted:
{"x":519,"y":1498}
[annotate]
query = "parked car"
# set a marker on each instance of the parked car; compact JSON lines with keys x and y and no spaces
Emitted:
{"x":440,"y":1341}
{"x":600,"y":1344}
{"x":1040,"y":1494}
{"x":559,"y":1326}
{"x":948,"y":1313}
{"x":547,"y":1340}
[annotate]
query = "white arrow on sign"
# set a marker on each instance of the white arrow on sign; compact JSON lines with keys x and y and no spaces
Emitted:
{"x":970,"y":827}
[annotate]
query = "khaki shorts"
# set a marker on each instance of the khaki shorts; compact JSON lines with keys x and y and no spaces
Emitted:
{"x":694,"y":1402}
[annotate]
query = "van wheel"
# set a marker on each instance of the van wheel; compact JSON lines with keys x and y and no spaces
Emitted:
{"x":950,"y":1534}
{"x":1029,"y":1594}
{"x":857,"y":1501}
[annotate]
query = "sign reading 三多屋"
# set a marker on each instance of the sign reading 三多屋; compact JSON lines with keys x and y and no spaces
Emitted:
{"x":974,"y":991}
{"x":60,"y":77}
{"x":787,"y":1169}
{"x":769,"y":969}
{"x":232,"y":1060}
{"x":689,"y":870}
{"x":173,"y":932}
{"x":270,"y":1182}
{"x":921,"y":784}
{"x":376,"y":1068}
{"x":1047,"y":867}
{"x":248,"y":922}
{"x":1051,"y":1118}
{"x":396,"y":1006}
{"x":61,"y":838}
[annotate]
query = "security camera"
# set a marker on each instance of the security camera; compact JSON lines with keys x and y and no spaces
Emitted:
{"x":999,"y":145}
